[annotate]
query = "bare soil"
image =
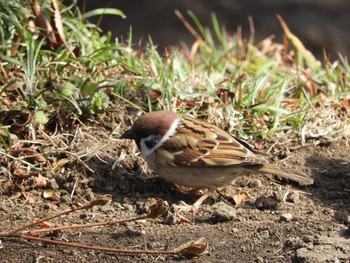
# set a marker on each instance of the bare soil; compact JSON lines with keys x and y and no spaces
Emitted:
{"x":279,"y":221}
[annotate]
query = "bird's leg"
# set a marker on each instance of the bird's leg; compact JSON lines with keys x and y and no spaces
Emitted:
{"x":195,"y":206}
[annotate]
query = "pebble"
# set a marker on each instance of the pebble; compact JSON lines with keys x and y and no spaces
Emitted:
{"x":52,"y":184}
{"x":265,"y":234}
{"x":270,"y":202}
{"x":234,"y":230}
{"x":223,"y":212}
{"x":89,"y":195}
{"x":128,"y":207}
{"x":293,"y":197}
{"x":307,"y":239}
{"x":171,"y":219}
{"x":105,"y":208}
{"x":286,"y":217}
{"x":259,"y":259}
{"x":255,"y":183}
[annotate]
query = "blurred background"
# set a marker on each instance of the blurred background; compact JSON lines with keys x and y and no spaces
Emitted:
{"x":318,"y":23}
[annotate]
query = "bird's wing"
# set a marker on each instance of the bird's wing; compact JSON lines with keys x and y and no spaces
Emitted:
{"x":199,"y":144}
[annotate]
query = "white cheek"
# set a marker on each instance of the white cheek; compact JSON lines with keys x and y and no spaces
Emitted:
{"x":146,"y":152}
{"x":144,"y":149}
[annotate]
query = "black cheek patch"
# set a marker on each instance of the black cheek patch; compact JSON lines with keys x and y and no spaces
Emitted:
{"x":150,"y":143}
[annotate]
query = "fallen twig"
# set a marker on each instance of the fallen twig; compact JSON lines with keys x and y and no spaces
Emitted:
{"x":158,"y":210}
{"x":100,"y":201}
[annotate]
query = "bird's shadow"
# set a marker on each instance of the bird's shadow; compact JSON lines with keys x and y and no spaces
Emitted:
{"x":132,"y":184}
{"x":332,"y":184}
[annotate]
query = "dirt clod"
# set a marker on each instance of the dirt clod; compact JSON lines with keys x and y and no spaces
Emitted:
{"x":223,"y":212}
{"x":267,"y":202}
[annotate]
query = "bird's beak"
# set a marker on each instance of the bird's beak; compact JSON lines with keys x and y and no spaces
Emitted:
{"x":129,"y":134}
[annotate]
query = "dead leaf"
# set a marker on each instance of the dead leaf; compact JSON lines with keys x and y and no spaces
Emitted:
{"x":225,"y":95}
{"x":188,"y":104}
{"x":16,"y":119}
{"x":193,"y":248}
{"x":258,"y":146}
{"x":183,"y":219}
{"x":58,"y":25}
{"x":15,"y":43}
{"x":60,"y":164}
{"x":160,"y":209}
{"x":345,"y":103}
{"x":42,"y":22}
{"x":17,"y":192}
{"x":311,"y":87}
{"x":239,"y":199}
{"x":15,"y":195}
{"x":307,"y":55}
{"x":29,"y":154}
{"x":30,"y":199}
{"x":20,"y":173}
{"x":149,"y":94}
{"x":291,"y":102}
{"x":39,"y":181}
{"x":51,"y":195}
{"x":155,"y":96}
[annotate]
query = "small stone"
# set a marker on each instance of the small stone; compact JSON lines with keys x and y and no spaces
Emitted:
{"x":286,"y":217}
{"x":128,"y":207}
{"x":171,"y":219}
{"x":293,"y":197}
{"x":52,"y":184}
{"x":89,"y":195}
{"x":265,"y":234}
{"x":255,"y":183}
{"x":307,"y":239}
{"x":223,"y":212}
{"x":259,"y":259}
{"x":234,"y":230}
{"x":104,"y":208}
{"x":270,"y":202}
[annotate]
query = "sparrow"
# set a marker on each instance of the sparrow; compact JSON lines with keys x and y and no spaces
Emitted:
{"x":192,"y":153}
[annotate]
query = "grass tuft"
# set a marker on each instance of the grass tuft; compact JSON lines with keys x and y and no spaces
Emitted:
{"x":67,"y":66}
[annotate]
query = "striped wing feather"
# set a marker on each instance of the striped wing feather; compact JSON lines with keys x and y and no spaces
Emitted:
{"x":199,"y":144}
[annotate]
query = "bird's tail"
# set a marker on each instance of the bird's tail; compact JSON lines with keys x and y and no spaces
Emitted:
{"x":300,"y":178}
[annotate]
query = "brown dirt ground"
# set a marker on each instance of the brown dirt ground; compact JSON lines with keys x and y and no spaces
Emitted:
{"x":318,"y":231}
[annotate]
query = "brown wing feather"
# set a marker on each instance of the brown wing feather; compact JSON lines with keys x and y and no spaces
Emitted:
{"x":199,"y":144}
